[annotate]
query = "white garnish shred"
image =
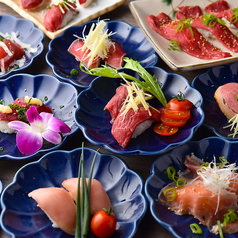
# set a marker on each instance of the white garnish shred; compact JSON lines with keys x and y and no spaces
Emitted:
{"x":217,"y":178}
{"x":63,"y":4}
{"x":136,"y":96}
{"x":233,"y":125}
{"x":97,"y":41}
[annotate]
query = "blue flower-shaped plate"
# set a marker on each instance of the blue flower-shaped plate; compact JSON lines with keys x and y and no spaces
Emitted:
{"x":207,"y":84}
{"x":205,"y":149}
{"x":28,"y":34}
{"x":134,"y":43}
{"x":62,"y":98}
{"x":22,"y":217}
{"x":95,"y":123}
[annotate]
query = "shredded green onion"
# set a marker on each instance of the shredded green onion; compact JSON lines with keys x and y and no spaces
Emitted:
{"x":211,"y":20}
{"x":1,"y":148}
{"x":185,"y":24}
{"x":234,"y":16}
{"x":220,"y":229}
{"x":229,"y":217}
{"x":172,"y":175}
{"x":174,"y":45}
{"x":196,"y":229}
{"x":170,"y":193}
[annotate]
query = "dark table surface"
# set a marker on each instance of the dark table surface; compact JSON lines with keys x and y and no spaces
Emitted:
{"x":148,"y":228}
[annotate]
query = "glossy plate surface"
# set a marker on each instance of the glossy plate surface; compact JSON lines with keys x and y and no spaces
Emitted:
{"x":94,"y":121}
{"x":207,"y":84}
{"x":22,"y":217}
{"x":134,"y":43}
{"x":62,"y":97}
{"x":205,"y":149}
{"x":28,"y":34}
{"x":176,"y":60}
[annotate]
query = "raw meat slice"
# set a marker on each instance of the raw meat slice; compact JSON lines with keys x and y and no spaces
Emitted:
{"x":85,"y":3}
{"x":133,"y":123}
{"x":98,"y":197}
{"x":82,"y":56}
{"x":186,"y":12}
{"x":58,"y":205}
{"x":31,"y":4}
{"x":190,"y":39}
{"x":57,"y":17}
{"x":221,"y":9}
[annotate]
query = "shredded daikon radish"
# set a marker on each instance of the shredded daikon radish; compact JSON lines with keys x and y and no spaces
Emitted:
{"x":61,"y":4}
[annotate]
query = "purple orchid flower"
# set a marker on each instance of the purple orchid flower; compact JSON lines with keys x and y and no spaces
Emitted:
{"x":30,"y":137}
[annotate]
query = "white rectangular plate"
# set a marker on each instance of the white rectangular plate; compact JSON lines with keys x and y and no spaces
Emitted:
{"x":96,"y":9}
{"x":176,"y":60}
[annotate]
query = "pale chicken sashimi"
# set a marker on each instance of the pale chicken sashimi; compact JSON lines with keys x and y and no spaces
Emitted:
{"x":209,"y":191}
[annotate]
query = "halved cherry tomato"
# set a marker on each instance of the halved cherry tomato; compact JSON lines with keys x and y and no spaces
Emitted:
{"x":164,"y":130}
{"x":172,"y":123}
{"x":176,"y":115}
{"x":179,"y":105}
{"x":103,"y":223}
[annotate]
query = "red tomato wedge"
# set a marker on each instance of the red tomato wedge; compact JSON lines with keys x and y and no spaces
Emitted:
{"x":164,"y":130}
{"x":176,"y":115}
{"x":179,"y":105}
{"x":172,"y":123}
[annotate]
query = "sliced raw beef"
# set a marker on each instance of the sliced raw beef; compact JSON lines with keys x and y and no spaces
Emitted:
{"x":190,"y":39}
{"x":186,"y":12}
{"x":31,"y":4}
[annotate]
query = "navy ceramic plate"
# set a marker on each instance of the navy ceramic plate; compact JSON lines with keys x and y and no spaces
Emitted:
{"x":22,"y":217}
{"x":94,"y":121}
{"x":205,"y":149}
{"x":207,"y":84}
{"x":28,"y":34}
{"x":132,"y":39}
{"x":62,"y":97}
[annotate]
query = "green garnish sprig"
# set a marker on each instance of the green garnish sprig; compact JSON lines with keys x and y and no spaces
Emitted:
{"x":196,"y":229}
{"x":234,"y":16}
{"x":149,"y":82}
{"x":211,"y":20}
{"x":83,"y":215}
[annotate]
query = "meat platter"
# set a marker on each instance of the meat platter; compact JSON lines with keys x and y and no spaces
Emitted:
{"x":96,"y":9}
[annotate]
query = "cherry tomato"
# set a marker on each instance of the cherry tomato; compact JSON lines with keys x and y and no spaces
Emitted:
{"x":103,"y":223}
{"x":179,"y":105}
{"x":173,"y":123}
{"x":176,"y":115}
{"x":164,"y":130}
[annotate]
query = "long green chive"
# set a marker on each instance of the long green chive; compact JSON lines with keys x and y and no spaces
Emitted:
{"x":220,"y":229}
{"x":83,"y":198}
{"x":196,"y":229}
{"x":170,"y":193}
{"x":150,"y":83}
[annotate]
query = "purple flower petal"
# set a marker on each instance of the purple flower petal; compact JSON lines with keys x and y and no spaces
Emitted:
{"x":18,"y":125}
{"x":33,"y":115}
{"x":52,"y":136}
{"x":28,"y":142}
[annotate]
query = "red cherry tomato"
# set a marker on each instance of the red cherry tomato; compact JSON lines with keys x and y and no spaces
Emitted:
{"x":179,"y":105}
{"x":173,"y":123}
{"x":176,"y":115}
{"x":164,"y":130}
{"x":103,"y":223}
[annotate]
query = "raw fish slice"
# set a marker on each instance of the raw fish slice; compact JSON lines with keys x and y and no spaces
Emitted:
{"x":55,"y":18}
{"x":125,"y":125}
{"x":98,"y":197}
{"x":221,"y":32}
{"x":82,"y":56}
{"x":85,"y":3}
{"x":115,"y":55}
{"x":5,"y":59}
{"x":190,"y":39}
{"x":186,"y":12}
{"x":31,"y":4}
{"x":221,"y":9}
{"x":116,"y":102}
{"x":58,"y":206}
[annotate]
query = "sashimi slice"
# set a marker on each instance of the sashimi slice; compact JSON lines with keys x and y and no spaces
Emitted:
{"x":76,"y":50}
{"x":125,"y":125}
{"x":221,"y":9}
{"x":115,"y":55}
{"x":98,"y":197}
{"x":190,"y":39}
{"x":116,"y":102}
{"x":85,"y":3}
{"x":58,"y":206}
{"x":186,"y":12}
{"x":226,"y":97}
{"x":31,"y":4}
{"x":221,"y":32}
{"x":57,"y":17}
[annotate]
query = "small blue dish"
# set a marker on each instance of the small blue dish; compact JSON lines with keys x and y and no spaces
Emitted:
{"x":95,"y":123}
{"x":205,"y":149}
{"x":62,"y":98}
{"x":22,"y":217}
{"x":134,"y":43}
{"x":28,"y":34}
{"x":207,"y":84}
